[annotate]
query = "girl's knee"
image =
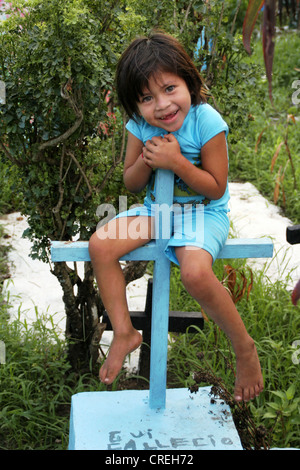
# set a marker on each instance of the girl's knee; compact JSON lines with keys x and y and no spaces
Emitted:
{"x":98,"y":247}
{"x":93,"y":245}
{"x":197,"y":279}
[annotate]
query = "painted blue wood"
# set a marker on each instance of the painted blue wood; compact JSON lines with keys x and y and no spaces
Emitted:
{"x":234,"y":248}
{"x":123,"y":421}
{"x":79,"y":251}
{"x":247,"y":248}
{"x":161,"y":292}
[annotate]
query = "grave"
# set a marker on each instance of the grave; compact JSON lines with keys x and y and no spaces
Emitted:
{"x":158,"y":418}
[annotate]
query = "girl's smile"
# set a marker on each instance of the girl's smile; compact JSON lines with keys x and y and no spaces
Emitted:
{"x":169,"y":117}
{"x":165,"y":102}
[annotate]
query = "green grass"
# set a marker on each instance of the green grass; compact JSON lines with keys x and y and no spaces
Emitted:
{"x":37,"y":383}
{"x":274,"y":324}
{"x":251,"y":157}
{"x":36,"y":386}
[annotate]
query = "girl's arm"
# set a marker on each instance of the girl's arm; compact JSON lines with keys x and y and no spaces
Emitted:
{"x":210,"y":180}
{"x":136,"y":172}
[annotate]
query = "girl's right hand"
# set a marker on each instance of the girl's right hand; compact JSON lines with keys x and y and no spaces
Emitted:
{"x":162,"y":152}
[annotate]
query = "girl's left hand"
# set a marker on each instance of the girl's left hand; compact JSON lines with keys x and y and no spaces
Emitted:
{"x":162,"y":152}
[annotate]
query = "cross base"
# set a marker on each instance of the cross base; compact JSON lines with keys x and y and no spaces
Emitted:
{"x":123,"y":420}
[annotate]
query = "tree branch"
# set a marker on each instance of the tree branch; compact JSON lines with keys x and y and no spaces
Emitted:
{"x":235,"y":16}
{"x":62,"y":137}
{"x":186,"y":16}
{"x":57,"y":208}
{"x":10,"y":157}
{"x":79,"y":114}
{"x":69,"y":209}
{"x":213,"y":49}
{"x":116,"y":162}
{"x":82,"y":172}
{"x":134,"y":270}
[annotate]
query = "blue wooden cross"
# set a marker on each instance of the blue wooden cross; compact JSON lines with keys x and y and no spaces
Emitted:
{"x":156,"y":401}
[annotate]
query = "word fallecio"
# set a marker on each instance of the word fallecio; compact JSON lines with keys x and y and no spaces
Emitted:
{"x":177,"y":220}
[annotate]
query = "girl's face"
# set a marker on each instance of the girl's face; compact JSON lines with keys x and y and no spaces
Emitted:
{"x":165,"y":102}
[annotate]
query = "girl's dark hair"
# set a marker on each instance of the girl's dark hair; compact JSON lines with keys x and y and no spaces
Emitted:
{"x":146,"y":56}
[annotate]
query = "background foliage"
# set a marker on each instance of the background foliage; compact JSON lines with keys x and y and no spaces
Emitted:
{"x":61,"y":154}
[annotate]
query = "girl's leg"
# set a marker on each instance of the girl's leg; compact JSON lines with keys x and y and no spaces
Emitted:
{"x":106,"y":247}
{"x":200,"y":281}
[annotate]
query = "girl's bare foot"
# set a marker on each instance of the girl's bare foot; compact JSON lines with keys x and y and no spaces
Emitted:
{"x":249,"y":380}
{"x":122,"y":344}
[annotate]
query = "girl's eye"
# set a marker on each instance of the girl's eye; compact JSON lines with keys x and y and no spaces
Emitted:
{"x":170,"y":88}
{"x":146,"y":99}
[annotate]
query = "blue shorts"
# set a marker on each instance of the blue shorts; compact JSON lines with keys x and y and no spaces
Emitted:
{"x":190,"y":225}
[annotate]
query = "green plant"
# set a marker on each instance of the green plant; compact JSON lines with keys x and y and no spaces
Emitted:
{"x":269,"y":14}
{"x":63,"y":135}
{"x":36,"y":384}
{"x":272,"y":321}
{"x":11,"y":195}
{"x":268,"y":154}
{"x":283,"y":415}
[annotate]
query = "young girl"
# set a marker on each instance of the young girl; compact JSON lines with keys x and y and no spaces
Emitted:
{"x":172,"y":127}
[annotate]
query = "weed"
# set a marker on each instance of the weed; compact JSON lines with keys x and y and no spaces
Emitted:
{"x":269,"y":154}
{"x":205,"y":356}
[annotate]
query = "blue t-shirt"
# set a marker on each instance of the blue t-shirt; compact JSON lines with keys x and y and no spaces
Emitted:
{"x":201,"y":124}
